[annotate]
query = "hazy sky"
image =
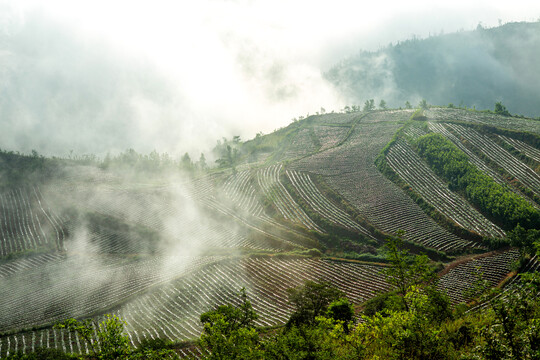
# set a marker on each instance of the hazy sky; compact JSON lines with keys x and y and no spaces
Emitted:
{"x":176,"y":75}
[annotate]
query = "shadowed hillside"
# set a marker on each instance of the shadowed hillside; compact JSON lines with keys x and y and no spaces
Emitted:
{"x":471,"y":68}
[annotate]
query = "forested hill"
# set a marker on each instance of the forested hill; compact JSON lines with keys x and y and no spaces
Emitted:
{"x":471,"y":68}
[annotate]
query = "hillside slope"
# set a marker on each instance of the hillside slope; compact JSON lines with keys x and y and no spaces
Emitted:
{"x":159,"y":247}
{"x":471,"y":68}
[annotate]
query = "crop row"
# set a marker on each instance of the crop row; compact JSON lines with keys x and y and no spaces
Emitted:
{"x":336,"y":119}
{"x":507,"y":122}
{"x":179,"y":216}
{"x":475,"y":160}
{"x":47,"y":338}
{"x":387,"y":116}
{"x":302,"y":144}
{"x":414,"y":132}
{"x":26,"y":222}
{"x":68,"y":342}
{"x":522,"y":147}
{"x":408,"y":165}
{"x":251,"y":223}
{"x":319,"y":203}
{"x":79,"y":286}
{"x":172,"y":310}
{"x":501,"y":156}
{"x":270,"y":183}
{"x":239,"y":189}
{"x":329,"y":136}
{"x":515,"y":284}
{"x":27,"y":263}
{"x":350,"y":170}
{"x":463,"y":277}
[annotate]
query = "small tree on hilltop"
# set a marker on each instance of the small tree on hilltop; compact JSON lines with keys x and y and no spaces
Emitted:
{"x":500,"y":109}
{"x":186,"y":163}
{"x":228,"y":158}
{"x":202,"y":162}
{"x":382,"y":105}
{"x":369,"y":105}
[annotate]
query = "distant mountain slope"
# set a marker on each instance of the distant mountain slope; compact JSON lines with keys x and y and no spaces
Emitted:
{"x":473,"y":68}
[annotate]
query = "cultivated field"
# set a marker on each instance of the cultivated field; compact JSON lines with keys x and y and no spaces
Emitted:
{"x":159,"y":251}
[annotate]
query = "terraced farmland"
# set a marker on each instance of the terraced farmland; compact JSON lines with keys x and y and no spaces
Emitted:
{"x":270,"y":183}
{"x":302,"y":144}
{"x":239,"y":189}
{"x":492,"y":268}
{"x":350,"y":170}
{"x":515,"y":284}
{"x":266,"y":280}
{"x":408,"y":165}
{"x":475,"y":117}
{"x":160,"y":252}
{"x":172,"y":311}
{"x":475,"y":160}
{"x":27,"y":222}
{"x":522,"y":147}
{"x":318,"y":202}
{"x":330,"y":135}
{"x":179,"y":216}
{"x":79,"y":286}
{"x":501,"y":156}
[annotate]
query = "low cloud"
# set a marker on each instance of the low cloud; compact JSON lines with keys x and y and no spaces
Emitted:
{"x":102,"y":77}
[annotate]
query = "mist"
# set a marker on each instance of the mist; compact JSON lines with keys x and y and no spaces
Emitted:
{"x":100,"y":77}
{"x":80,"y":78}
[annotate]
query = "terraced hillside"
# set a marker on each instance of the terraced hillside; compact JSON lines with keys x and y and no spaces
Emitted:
{"x":160,"y":250}
{"x":27,"y":222}
{"x":350,"y":170}
{"x":492,"y":268}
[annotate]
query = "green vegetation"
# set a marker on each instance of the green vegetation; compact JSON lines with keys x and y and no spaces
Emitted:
{"x":416,"y":324}
{"x":525,"y":240}
{"x":106,"y":340}
{"x":229,"y":331}
{"x":369,"y":105}
{"x":429,"y":209}
{"x":423,"y":104}
{"x":310,"y":301}
{"x":415,"y":321}
{"x":18,"y":170}
{"x":405,"y":271}
{"x":495,"y":200}
{"x":148,"y":165}
{"x":227,"y":153}
{"x":500,"y":109}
